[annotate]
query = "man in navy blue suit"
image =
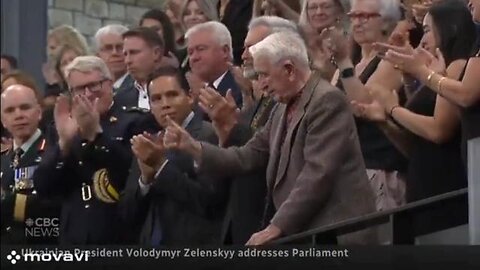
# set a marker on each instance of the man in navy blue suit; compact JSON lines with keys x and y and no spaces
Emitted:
{"x":210,"y":54}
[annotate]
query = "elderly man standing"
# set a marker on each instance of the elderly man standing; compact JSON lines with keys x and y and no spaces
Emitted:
{"x":109,"y":46}
{"x":309,"y":147}
{"x":89,"y":165}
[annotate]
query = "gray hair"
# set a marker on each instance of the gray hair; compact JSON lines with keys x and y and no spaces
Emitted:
{"x":87,"y":64}
{"x":281,"y":46}
{"x":219,"y":30}
{"x":274,"y":23}
{"x":389,"y":9}
{"x":115,"y":29}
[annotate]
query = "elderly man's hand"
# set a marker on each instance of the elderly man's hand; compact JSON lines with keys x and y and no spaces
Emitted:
{"x":263,"y":237}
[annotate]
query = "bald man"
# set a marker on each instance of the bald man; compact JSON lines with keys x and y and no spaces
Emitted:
{"x":21,"y":114}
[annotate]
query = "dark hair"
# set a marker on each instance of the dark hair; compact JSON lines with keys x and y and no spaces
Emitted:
{"x":24,"y":79}
{"x":167,"y":27}
{"x":11,"y":60}
{"x":148,"y":35}
{"x":455,"y":28}
{"x":169,"y":71}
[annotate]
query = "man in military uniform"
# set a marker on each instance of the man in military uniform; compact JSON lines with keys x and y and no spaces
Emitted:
{"x":22,"y":211}
{"x":89,"y":165}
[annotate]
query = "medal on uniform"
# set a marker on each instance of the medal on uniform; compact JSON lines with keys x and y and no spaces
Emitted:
{"x":23,"y":178}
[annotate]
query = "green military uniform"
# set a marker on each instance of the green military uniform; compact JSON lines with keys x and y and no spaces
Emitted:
{"x":26,"y":219}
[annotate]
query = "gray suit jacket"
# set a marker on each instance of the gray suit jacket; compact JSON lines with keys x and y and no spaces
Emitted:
{"x":317,"y":176}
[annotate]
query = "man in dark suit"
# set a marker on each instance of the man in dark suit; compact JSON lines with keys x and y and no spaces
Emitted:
{"x":20,"y":205}
{"x":166,"y":200}
{"x":236,"y":14}
{"x":89,"y":165}
{"x":109,"y":47}
{"x":143,"y":50}
{"x":210,"y":54}
{"x":309,"y":147}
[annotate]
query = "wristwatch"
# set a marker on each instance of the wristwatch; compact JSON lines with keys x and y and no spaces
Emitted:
{"x":347,"y":73}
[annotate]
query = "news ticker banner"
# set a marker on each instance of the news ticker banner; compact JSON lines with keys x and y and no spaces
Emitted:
{"x":438,"y":257}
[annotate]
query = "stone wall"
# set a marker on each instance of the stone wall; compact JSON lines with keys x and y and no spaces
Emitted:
{"x":90,"y":15}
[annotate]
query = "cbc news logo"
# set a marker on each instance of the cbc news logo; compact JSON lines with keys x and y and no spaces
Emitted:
{"x":42,"y":227}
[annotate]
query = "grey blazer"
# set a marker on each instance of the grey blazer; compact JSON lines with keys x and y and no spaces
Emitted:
{"x":317,"y":175}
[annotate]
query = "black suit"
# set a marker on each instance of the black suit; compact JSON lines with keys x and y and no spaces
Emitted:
{"x":246,"y":214}
{"x":127,"y":83}
{"x":13,"y":227}
{"x":238,"y":14}
{"x":227,"y":82}
{"x":127,"y":95}
{"x":188,"y":207}
{"x":89,"y":179}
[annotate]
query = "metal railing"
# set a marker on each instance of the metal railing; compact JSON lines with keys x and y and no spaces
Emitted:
{"x":454,"y":205}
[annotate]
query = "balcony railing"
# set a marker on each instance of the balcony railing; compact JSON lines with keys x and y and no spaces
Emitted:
{"x":453,"y":205}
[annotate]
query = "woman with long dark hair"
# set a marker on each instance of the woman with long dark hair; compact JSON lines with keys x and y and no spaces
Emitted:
{"x":433,"y":122}
{"x":463,"y":91}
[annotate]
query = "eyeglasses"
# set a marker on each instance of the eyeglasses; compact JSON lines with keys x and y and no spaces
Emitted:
{"x":112,"y":48}
{"x":93,"y":87}
{"x":363,"y":16}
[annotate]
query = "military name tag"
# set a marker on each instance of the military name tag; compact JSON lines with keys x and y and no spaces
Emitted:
{"x":24,"y":178}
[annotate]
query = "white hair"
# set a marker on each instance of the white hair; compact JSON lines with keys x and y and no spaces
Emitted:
{"x":115,"y":29}
{"x":274,"y":23}
{"x":281,"y":46}
{"x":389,"y":9}
{"x":86,"y":64}
{"x":219,"y":31}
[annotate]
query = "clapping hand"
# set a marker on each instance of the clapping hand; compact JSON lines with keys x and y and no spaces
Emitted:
{"x":222,"y":111}
{"x":150,"y":154}
{"x":65,"y":124}
{"x":87,"y":116}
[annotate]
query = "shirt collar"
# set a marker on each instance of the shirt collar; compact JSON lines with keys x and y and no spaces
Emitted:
{"x":120,"y":81}
{"x":139,"y":87}
{"x":26,"y":146}
{"x":217,"y":82}
{"x":187,"y":120}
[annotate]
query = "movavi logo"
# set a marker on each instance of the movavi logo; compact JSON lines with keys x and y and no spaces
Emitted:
{"x":29,"y":255}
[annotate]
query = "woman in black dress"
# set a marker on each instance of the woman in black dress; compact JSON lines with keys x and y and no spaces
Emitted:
{"x":463,"y":91}
{"x":435,"y":165}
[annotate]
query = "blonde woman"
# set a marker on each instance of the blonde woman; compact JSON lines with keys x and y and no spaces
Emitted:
{"x":56,"y":39}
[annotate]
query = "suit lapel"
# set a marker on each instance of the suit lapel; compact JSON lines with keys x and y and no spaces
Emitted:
{"x":276,"y":144}
{"x":299,"y":113}
{"x":30,"y":156}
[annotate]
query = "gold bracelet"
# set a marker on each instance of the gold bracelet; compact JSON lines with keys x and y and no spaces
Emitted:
{"x":439,"y":85}
{"x":429,"y":77}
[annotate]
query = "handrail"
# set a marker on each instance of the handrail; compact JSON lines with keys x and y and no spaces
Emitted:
{"x":376,"y":218}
